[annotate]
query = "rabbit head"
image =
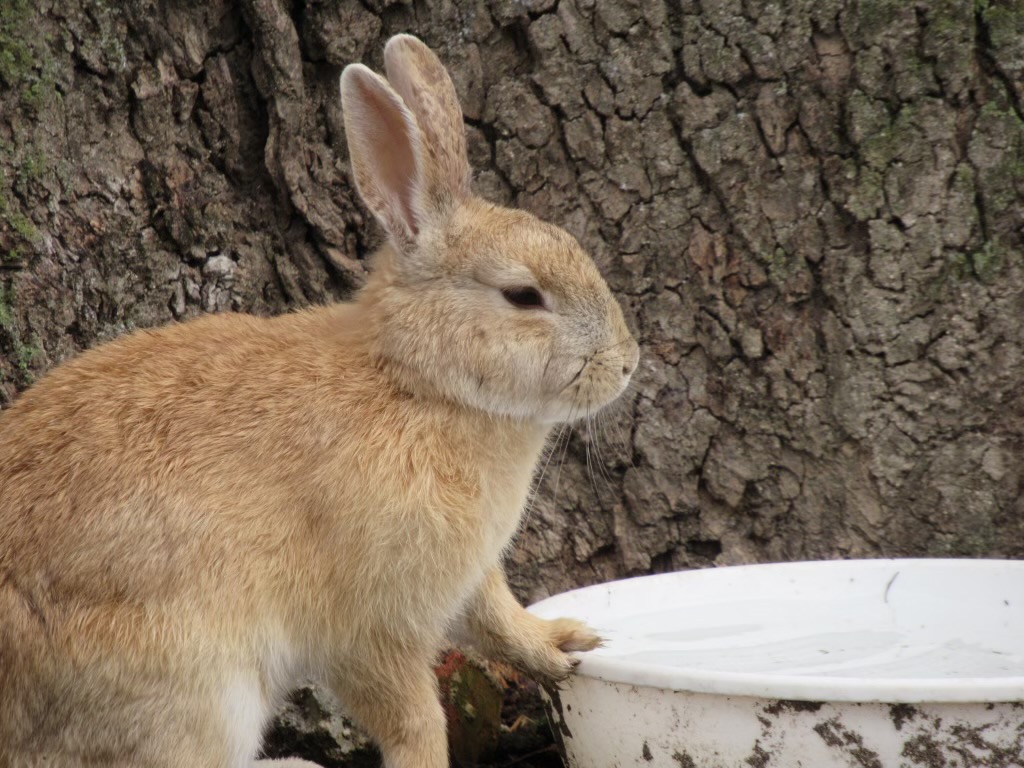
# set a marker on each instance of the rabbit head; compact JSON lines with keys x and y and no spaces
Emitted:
{"x":481,"y":305}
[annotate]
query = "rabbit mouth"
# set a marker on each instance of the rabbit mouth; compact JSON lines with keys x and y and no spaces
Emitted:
{"x":579,"y":374}
{"x":596,"y":384}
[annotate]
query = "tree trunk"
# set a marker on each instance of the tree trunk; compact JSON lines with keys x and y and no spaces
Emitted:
{"x":813,"y":211}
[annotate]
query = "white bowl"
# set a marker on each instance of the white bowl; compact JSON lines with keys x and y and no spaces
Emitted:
{"x":865,"y":663}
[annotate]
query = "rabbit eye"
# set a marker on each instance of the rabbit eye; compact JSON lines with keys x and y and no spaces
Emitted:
{"x":524,"y":298}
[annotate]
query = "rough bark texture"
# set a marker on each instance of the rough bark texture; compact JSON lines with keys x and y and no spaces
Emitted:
{"x":811,"y":209}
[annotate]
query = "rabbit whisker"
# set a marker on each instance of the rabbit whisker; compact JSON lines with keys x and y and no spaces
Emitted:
{"x":602,"y":466}
{"x":538,"y":481}
{"x":586,"y":447}
{"x":561,"y":462}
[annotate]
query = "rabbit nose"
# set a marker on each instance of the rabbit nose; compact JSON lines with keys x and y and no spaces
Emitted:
{"x":631,"y":362}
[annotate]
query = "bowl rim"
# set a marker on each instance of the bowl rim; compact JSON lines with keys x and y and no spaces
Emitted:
{"x":812,"y":688}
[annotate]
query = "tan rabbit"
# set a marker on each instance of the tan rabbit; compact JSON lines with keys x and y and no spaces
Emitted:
{"x":193,"y":519}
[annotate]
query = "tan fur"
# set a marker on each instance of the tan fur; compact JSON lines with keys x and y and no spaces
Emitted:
{"x":193,"y":519}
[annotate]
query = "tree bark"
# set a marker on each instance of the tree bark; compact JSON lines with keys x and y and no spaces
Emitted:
{"x":813,"y":211}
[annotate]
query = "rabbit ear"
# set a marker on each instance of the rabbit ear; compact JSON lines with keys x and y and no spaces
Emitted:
{"x":426,"y":88}
{"x":385,"y":145}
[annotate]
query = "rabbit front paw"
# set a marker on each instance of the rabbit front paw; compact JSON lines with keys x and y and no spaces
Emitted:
{"x":547,"y":657}
{"x":573,"y":635}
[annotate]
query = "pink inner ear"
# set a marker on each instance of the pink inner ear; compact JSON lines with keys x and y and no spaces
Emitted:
{"x":392,"y":154}
{"x":423,"y":83}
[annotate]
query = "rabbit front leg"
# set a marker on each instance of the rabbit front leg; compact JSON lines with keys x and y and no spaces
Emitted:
{"x":501,"y":628}
{"x":394,"y":695}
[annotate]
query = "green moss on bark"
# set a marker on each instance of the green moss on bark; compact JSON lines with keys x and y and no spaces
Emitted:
{"x":26,"y":63}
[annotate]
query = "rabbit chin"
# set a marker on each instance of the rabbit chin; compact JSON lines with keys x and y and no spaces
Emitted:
{"x":567,"y":413}
{"x":571,"y":408}
{"x":550,"y":409}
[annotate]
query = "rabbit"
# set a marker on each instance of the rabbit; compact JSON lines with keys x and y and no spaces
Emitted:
{"x":196,"y":518}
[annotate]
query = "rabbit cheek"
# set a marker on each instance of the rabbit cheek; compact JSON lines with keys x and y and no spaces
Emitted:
{"x":508,"y":373}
